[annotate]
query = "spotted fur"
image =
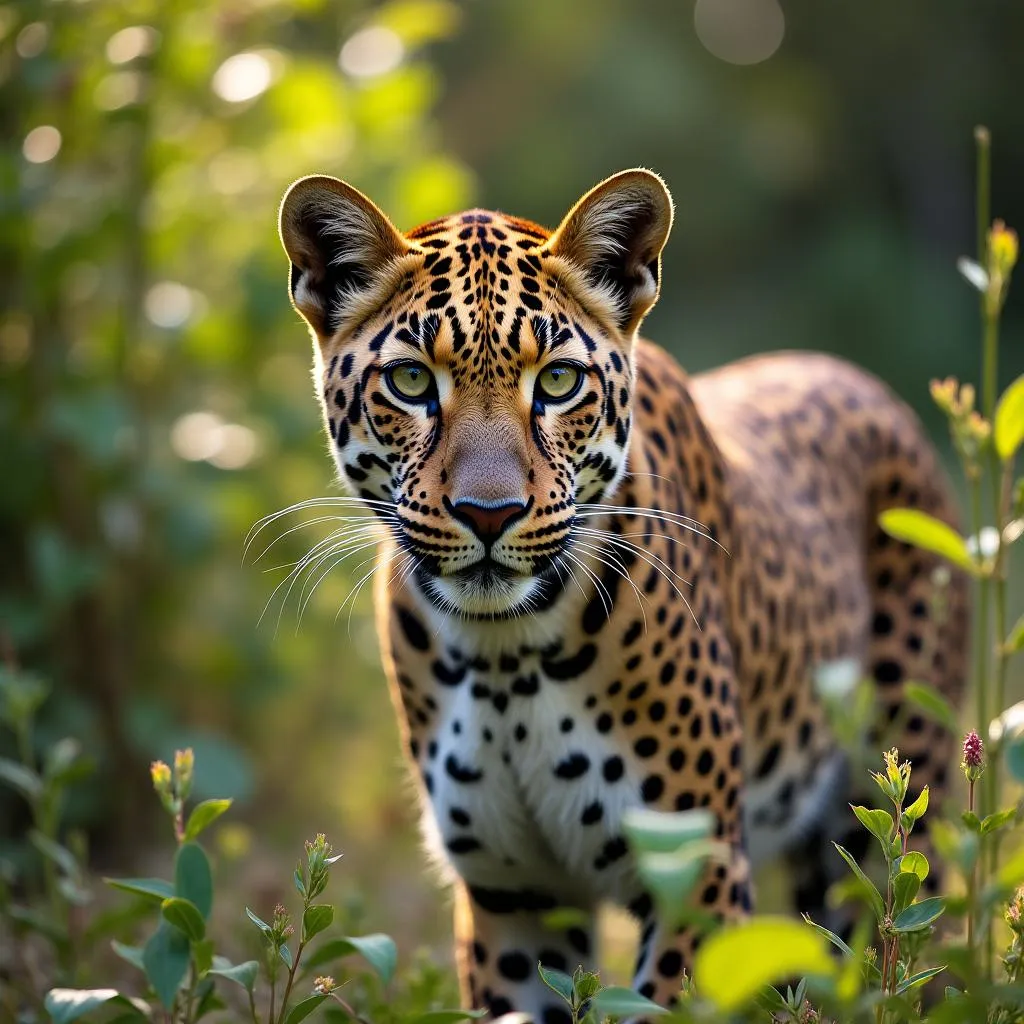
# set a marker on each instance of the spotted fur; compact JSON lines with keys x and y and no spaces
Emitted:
{"x":618,"y":600}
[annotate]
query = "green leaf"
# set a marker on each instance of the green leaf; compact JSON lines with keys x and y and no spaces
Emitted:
{"x":927,"y":699}
{"x":920,"y":915}
{"x":154,"y":889}
{"x":193,"y":880}
{"x":286,"y":955}
{"x":67,"y":1004}
{"x":184,"y":915}
{"x":616,"y":1001}
{"x":378,"y":950}
{"x":997,"y":820}
{"x":561,"y":919}
{"x":315,"y":919}
{"x":203,"y":815}
{"x":671,"y":877}
{"x":166,"y":957}
{"x":904,"y":887}
{"x":914,"y":863}
{"x":557,"y":981}
{"x":918,"y":808}
{"x":971,"y":820}
{"x":879,"y":823}
{"x":447,"y":1016}
{"x":735,"y":963}
{"x":928,"y":533}
{"x":300,"y":885}
{"x":868,"y":887}
{"x":243,"y":974}
{"x":300,"y":1011}
{"x":661,"y":832}
{"x":202,"y":956}
{"x":130,"y":954}
{"x":1008,"y":422}
{"x":29,"y":785}
{"x":918,"y":979}
{"x":259,"y":922}
{"x":60,"y":855}
{"x":1015,"y":641}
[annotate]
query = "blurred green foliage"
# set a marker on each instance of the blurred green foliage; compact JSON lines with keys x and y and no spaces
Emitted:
{"x":155,"y":398}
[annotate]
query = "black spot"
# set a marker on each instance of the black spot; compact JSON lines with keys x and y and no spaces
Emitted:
{"x":479,"y":953}
{"x":670,"y":965}
{"x":646,"y":746}
{"x":459,"y":816}
{"x":571,"y":667}
{"x":556,"y":1015}
{"x":888,"y":672}
{"x":705,"y":762}
{"x":768,"y":762}
{"x":613,"y":769}
{"x":592,"y":813}
{"x":572,"y":767}
{"x":508,"y":901}
{"x":515,"y":966}
{"x":461,"y":773}
{"x":463,"y":844}
{"x":651,"y":788}
{"x":413,"y":630}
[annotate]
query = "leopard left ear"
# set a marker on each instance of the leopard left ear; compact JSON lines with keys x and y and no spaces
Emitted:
{"x":614,"y":235}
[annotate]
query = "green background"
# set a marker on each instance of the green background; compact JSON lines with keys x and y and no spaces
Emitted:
{"x":823,"y":196}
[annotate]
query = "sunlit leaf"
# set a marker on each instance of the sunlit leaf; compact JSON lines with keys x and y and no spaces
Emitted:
{"x":915,"y":527}
{"x":736,"y":962}
{"x":67,"y":1004}
{"x":315,"y":919}
{"x":914,"y":862}
{"x":661,"y":832}
{"x":557,"y":981}
{"x":1008,"y":422}
{"x":203,"y":815}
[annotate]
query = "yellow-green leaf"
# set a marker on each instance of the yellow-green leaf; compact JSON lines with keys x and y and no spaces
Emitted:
{"x":735,"y":963}
{"x":928,"y":533}
{"x":1008,"y":424}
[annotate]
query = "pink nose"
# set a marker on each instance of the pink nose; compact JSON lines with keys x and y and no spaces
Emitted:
{"x":487,"y":521}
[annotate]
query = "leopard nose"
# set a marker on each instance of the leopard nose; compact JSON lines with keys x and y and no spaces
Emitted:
{"x":488,"y":521}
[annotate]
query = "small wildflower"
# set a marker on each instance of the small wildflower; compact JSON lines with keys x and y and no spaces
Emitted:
{"x":1003,"y":247}
{"x":161,"y":775}
{"x":323,"y":985}
{"x":870,"y":955}
{"x":973,"y":763}
{"x":184,"y":768}
{"x":1015,"y":912}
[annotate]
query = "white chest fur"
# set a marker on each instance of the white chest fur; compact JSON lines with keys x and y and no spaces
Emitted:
{"x":526,"y":792}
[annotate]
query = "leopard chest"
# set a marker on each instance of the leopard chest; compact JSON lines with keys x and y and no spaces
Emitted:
{"x":525,"y":790}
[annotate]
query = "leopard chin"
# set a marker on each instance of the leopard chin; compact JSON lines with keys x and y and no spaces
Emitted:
{"x":485,"y":590}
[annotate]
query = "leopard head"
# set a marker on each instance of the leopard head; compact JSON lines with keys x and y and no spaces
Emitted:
{"x":477,"y":373}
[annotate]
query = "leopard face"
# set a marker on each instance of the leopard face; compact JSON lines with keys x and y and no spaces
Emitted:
{"x":476,"y":374}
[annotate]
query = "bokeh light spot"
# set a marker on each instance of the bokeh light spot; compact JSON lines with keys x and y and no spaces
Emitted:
{"x":118,"y":90}
{"x":370,"y":52}
{"x":32,"y":40}
{"x":243,"y":77}
{"x":131,"y":43}
{"x":740,"y":31}
{"x":169,"y":304}
{"x":205,"y":437}
{"x":41,"y":144}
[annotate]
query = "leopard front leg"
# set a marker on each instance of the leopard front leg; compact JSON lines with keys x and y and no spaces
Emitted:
{"x":500,"y":937}
{"x":667,"y":950}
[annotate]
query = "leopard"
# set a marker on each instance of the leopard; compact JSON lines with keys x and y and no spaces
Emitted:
{"x":604,"y":586}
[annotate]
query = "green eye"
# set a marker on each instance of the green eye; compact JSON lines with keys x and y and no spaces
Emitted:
{"x":558,"y":381}
{"x":410,"y":380}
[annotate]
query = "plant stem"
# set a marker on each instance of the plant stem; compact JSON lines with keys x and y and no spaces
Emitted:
{"x":972,"y":883}
{"x":252,"y":1006}
{"x":291,"y":977}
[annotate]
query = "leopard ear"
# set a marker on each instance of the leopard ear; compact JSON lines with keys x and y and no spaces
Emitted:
{"x":614,"y":236}
{"x":343,"y":251}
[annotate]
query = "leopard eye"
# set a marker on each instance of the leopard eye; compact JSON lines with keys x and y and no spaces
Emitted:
{"x":410,"y":380}
{"x":558,"y":382}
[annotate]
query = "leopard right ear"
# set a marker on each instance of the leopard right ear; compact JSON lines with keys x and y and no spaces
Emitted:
{"x":343,"y":250}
